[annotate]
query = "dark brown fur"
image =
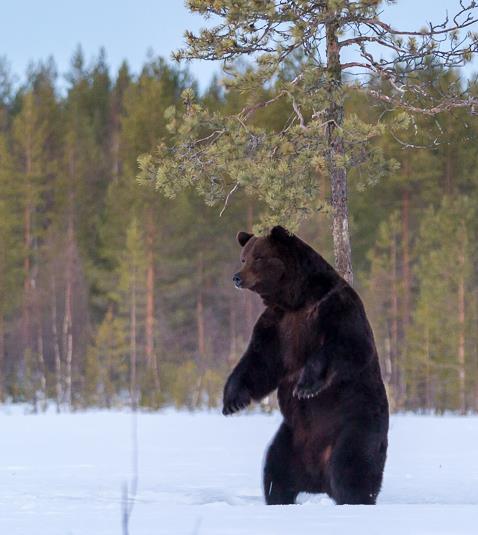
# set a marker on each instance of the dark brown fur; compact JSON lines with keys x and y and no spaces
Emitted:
{"x":314,"y":344}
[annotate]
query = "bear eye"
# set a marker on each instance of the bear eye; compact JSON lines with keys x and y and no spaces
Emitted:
{"x":243,"y":260}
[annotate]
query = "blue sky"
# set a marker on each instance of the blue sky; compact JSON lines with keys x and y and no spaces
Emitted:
{"x":35,"y":29}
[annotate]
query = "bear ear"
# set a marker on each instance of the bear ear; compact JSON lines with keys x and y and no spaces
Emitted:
{"x":280,"y":234}
{"x":243,"y":238}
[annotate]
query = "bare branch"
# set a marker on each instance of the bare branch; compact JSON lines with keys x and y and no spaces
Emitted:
{"x":249,"y":110}
{"x":227,"y":198}
{"x":445,"y":105}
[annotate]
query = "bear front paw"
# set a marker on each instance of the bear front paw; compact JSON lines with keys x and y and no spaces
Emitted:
{"x":235,"y":399}
{"x":307,"y":387}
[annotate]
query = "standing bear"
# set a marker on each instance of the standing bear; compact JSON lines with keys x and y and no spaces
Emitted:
{"x":313,"y":343}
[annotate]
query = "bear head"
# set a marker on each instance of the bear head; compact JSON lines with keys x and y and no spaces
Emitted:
{"x":282,"y":269}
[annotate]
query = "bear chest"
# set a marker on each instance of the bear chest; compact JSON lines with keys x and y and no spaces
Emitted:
{"x":297,"y":337}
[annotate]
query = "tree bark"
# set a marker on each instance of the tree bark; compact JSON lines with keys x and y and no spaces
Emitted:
{"x":475,"y":353}
{"x":406,"y":259}
{"x":56,"y":346}
{"x":461,"y":329}
{"x":26,"y":312}
{"x":41,"y":364}
{"x":69,"y":266}
{"x":150,"y":300}
{"x":201,"y":340}
{"x":335,"y":155}
{"x":27,"y":236}
{"x":406,"y":283}
{"x":201,"y":331}
{"x":428,"y":389}
{"x":40,"y":371}
{"x":2,"y":358}
{"x":394,"y":353}
{"x":133,"y":350}
{"x":67,"y":318}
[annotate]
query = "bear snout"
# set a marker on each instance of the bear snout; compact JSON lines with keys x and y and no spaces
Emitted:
{"x":237,"y":280}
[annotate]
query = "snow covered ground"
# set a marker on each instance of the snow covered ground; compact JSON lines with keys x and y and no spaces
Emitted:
{"x":199,"y":474}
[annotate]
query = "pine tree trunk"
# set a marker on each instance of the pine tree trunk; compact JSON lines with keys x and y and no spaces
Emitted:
{"x":41,"y":364}
{"x":56,"y":346}
{"x":335,"y":156}
{"x":40,"y":369}
{"x":406,"y":283}
{"x":68,"y":314}
{"x":200,"y":325}
{"x":394,"y":324}
{"x":461,"y":331}
{"x":475,"y":353}
{"x":201,"y":332}
{"x":476,"y":391}
{"x":27,"y":230}
{"x":133,"y":335}
{"x":68,"y":339}
{"x":428,"y":389}
{"x":68,"y":347}
{"x":201,"y":341}
{"x":150,"y":292}
{"x":26,"y":319}
{"x":2,"y":358}
{"x":406,"y":259}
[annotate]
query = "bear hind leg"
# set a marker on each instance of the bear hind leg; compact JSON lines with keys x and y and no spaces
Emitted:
{"x":356,"y":472}
{"x":279,"y":486}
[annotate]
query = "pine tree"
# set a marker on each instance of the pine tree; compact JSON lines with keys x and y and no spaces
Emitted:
{"x":132,"y":281}
{"x":439,"y":355}
{"x":107,"y":363}
{"x":298,"y":48}
{"x":11,"y":255}
{"x":35,"y":137}
{"x":414,"y":237}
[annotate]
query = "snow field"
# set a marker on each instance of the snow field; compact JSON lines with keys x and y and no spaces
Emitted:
{"x":200,"y":474}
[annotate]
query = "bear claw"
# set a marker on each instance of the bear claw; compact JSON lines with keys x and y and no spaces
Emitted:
{"x":231,"y":408}
{"x":302,"y":393}
{"x":236,"y":397}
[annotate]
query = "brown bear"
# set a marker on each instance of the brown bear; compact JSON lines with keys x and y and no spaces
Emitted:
{"x":313,"y":343}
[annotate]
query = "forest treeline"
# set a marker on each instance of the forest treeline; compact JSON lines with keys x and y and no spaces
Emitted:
{"x":108,"y":286}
